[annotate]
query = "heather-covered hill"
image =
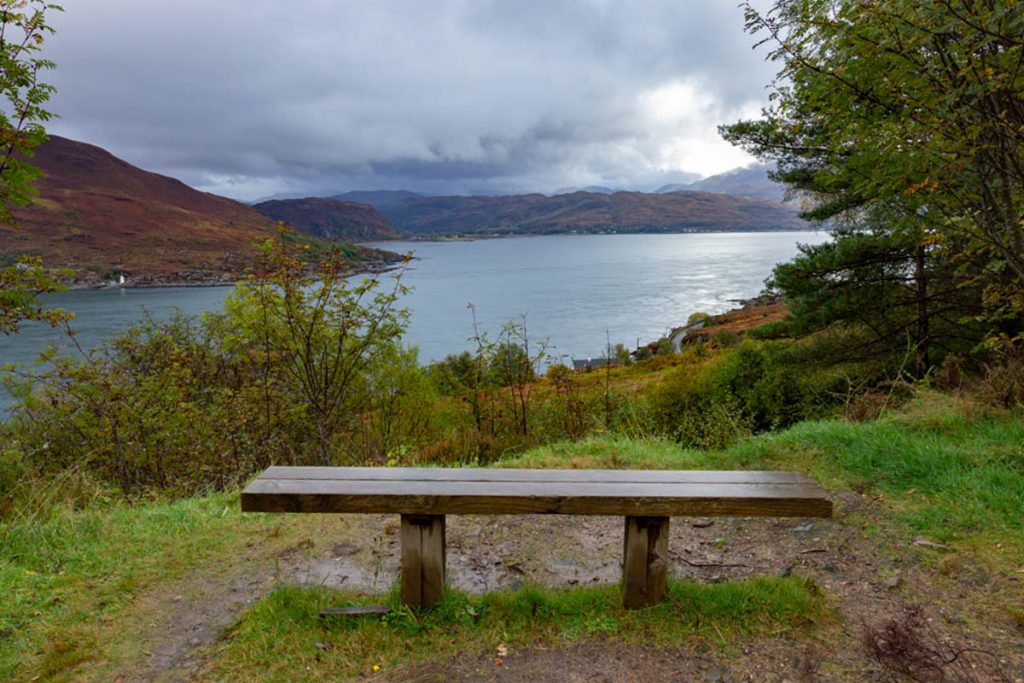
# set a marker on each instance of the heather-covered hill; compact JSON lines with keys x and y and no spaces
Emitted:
{"x":588,"y":212}
{"x":333,"y":219}
{"x":100,"y":216}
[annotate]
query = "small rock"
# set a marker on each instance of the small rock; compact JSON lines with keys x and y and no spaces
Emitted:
{"x":712,"y":675}
{"x":701,"y":523}
{"x":802,"y":528}
{"x":893,"y":582}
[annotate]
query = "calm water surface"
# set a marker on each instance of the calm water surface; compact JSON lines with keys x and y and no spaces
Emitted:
{"x":572,"y":289}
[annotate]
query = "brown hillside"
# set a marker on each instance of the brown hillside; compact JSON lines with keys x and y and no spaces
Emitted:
{"x":333,"y":219}
{"x":100,"y":215}
{"x":589,"y":212}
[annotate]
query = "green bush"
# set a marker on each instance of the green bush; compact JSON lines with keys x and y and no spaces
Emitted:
{"x":725,"y":339}
{"x":699,"y":317}
{"x":777,"y":329}
{"x":749,"y":388}
{"x":302,"y":367}
{"x":12,"y":473}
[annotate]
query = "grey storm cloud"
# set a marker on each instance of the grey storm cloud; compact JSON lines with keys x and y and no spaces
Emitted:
{"x":251,"y":98}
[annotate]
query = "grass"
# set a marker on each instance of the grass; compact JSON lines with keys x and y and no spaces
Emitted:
{"x":283,"y":637}
{"x":63,"y":577}
{"x":608,"y":452}
{"x":71,"y":582}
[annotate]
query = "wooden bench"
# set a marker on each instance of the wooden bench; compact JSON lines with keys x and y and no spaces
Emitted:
{"x":423,"y":496}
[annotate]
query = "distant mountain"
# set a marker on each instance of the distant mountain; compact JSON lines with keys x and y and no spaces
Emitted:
{"x":377,"y":198}
{"x":673,"y":187}
{"x":597,"y":189}
{"x":588,"y":212}
{"x":331,"y":218}
{"x":752,"y":181}
{"x":101,"y":216}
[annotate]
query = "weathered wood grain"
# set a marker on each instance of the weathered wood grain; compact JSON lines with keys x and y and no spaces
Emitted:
{"x":423,"y":559}
{"x":644,"y":561}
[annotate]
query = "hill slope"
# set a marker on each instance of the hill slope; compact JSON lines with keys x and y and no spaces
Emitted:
{"x":330,"y":218}
{"x":377,"y":198}
{"x":100,"y":216}
{"x":752,"y":181}
{"x":588,"y":212}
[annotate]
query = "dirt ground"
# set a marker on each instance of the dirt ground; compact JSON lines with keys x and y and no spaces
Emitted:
{"x":958,"y":627}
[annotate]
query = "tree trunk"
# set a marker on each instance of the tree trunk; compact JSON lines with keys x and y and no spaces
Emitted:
{"x":923,"y":333}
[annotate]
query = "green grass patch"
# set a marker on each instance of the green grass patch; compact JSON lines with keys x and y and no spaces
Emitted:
{"x":949,"y":472}
{"x":283,"y":637}
{"x":608,"y":452}
{"x":62,"y":577}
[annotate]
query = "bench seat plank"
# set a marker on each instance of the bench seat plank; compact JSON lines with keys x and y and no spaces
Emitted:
{"x":579,"y":492}
{"x":525,"y":475}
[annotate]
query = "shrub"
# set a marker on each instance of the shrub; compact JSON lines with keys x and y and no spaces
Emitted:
{"x":12,"y":473}
{"x":777,"y":329}
{"x":291,"y":372}
{"x":1003,"y":381}
{"x":725,"y":339}
{"x":699,"y":317}
{"x":752,"y":387}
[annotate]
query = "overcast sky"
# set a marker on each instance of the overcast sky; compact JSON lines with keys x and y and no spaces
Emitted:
{"x":251,"y":98}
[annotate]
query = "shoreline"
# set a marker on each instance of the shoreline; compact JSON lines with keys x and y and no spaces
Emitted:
{"x":473,"y":237}
{"x":213,"y":280}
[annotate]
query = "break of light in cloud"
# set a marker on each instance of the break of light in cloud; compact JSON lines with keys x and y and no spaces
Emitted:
{"x":251,"y":98}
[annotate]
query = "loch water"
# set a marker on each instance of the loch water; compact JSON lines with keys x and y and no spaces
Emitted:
{"x":575,"y":291}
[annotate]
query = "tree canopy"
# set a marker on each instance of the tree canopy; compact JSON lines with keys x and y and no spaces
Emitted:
{"x":23,"y":29}
{"x":906,"y":120}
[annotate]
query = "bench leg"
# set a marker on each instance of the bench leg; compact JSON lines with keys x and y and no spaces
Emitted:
{"x":422,"y":538}
{"x":645,"y":561}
